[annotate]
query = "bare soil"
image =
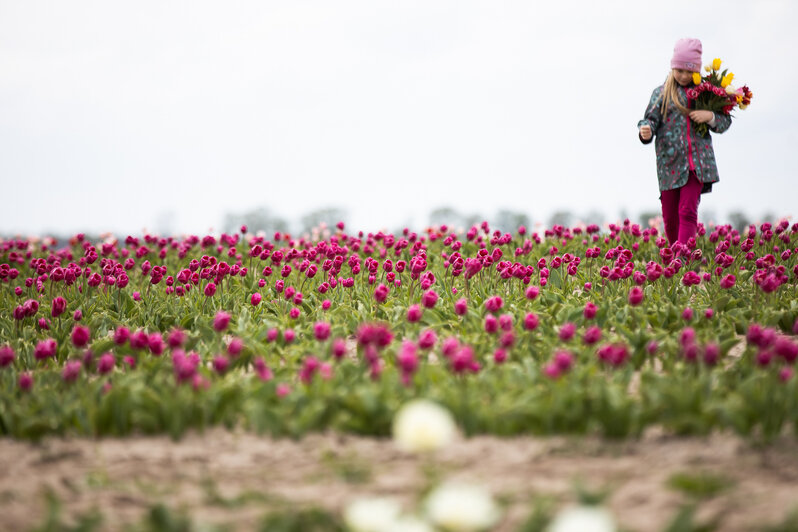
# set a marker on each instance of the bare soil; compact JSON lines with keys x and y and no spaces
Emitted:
{"x":234,"y":478}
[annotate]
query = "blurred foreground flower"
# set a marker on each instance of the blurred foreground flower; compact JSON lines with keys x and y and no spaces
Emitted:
{"x":410,"y":524}
{"x":376,"y":514}
{"x":422,"y":425}
{"x":583,"y":519}
{"x":461,"y":508}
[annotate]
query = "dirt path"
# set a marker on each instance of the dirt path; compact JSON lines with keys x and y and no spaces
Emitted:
{"x":235,"y":478}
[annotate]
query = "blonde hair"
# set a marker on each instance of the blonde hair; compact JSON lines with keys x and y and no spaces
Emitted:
{"x":670,"y":93}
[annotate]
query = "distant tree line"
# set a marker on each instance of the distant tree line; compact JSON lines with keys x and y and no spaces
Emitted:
{"x":262,"y":219}
{"x":505,"y":220}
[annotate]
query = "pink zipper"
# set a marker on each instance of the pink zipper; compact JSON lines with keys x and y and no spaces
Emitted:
{"x":690,"y":146}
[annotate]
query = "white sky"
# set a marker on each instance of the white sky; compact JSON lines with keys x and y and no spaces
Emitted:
{"x":114,"y":113}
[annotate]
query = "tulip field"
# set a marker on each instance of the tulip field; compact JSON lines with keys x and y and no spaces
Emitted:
{"x":584,"y":332}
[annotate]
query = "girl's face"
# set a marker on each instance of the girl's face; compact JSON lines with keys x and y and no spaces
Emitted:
{"x":683,"y":77}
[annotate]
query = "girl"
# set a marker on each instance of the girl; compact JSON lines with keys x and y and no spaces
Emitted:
{"x":685,"y":160}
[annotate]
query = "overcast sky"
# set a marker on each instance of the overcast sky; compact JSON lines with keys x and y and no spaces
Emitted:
{"x":113,"y":114}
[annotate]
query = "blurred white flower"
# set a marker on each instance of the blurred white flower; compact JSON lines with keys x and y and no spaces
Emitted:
{"x":583,"y":519}
{"x":375,"y":514}
{"x":422,"y":425}
{"x":461,"y":508}
{"x":409,"y":523}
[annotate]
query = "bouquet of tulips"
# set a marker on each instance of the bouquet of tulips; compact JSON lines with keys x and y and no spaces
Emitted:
{"x":714,"y":92}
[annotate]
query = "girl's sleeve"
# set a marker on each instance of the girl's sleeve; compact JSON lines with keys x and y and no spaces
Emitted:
{"x":653,"y":115}
{"x":722,"y":123}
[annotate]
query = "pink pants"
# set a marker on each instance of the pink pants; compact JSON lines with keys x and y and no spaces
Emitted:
{"x":680,"y":210}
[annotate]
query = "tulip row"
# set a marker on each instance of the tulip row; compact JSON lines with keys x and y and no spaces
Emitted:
{"x":566,"y":330}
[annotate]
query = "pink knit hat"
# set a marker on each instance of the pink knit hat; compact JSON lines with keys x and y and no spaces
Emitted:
{"x":687,"y":55}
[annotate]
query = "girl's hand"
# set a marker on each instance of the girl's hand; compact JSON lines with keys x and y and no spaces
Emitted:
{"x":701,"y":117}
{"x":645,"y":132}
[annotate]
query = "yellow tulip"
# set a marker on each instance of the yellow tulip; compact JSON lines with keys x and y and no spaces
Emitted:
{"x":727,"y":79}
{"x":696,"y":78}
{"x":716,"y":64}
{"x":708,"y":68}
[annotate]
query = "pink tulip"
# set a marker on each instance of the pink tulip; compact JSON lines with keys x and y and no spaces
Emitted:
{"x":310,"y":367}
{"x":635,"y":296}
{"x":221,"y":321}
{"x":58,"y":306}
{"x":139,"y":340}
{"x":507,"y":339}
{"x":429,"y":298}
{"x":155,"y":344}
{"x":80,"y":336}
{"x":651,"y":347}
{"x":210,"y":289}
{"x":531,"y":321}
{"x":592,"y":335}
{"x":407,"y":359}
{"x":687,"y":336}
{"x":563,"y":360}
{"x":567,"y":331}
{"x":414,"y":313}
{"x":338,"y":348}
{"x":450,"y":347}
{"x":6,"y":356}
{"x":176,"y":338}
{"x":220,"y":364}
{"x":321,"y":330}
{"x":506,"y":322}
{"x":25,"y":381}
{"x":71,"y":371}
{"x":106,"y":363}
{"x":121,"y":335}
{"x":494,"y":304}
{"x":711,"y":354}
{"x":235,"y":347}
{"x":552,"y":371}
{"x":764,"y":357}
{"x":427,"y":339}
{"x":381,"y":293}
{"x":728,"y":281}
{"x":613,"y":354}
{"x":786,"y":348}
{"x":464,"y":361}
